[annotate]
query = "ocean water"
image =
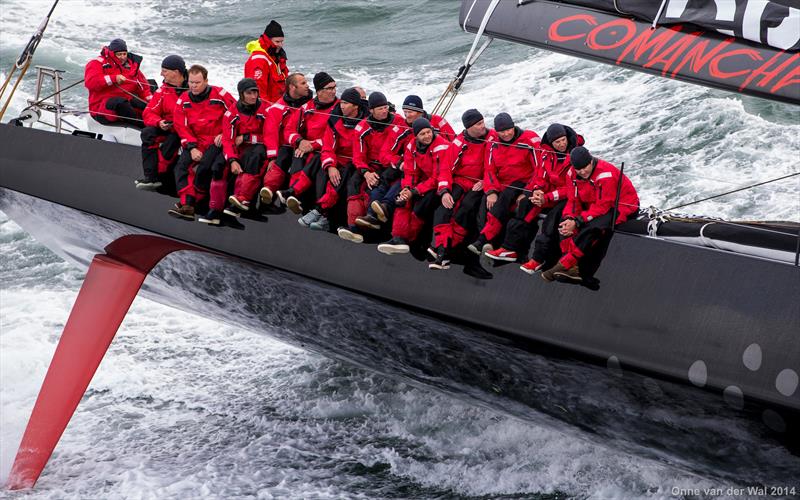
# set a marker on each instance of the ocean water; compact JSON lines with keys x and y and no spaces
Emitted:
{"x":186,"y":408}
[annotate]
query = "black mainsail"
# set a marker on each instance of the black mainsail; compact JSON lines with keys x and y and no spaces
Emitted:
{"x":747,"y":46}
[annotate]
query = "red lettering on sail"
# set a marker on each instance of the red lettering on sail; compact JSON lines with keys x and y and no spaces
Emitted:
{"x":627,"y":24}
{"x":716,"y":72}
{"x":553,"y":32}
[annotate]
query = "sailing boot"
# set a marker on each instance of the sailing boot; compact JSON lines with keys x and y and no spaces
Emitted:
{"x":531,"y":267}
{"x":309,"y":218}
{"x":473,"y":267}
{"x":321,"y":224}
{"x":503,"y":255}
{"x":350,"y":234}
{"x":571,"y":275}
{"x":480,"y":246}
{"x":550,"y":274}
{"x":381,"y":210}
{"x":212,"y":218}
{"x":394,"y":246}
{"x":442,"y":260}
{"x":368,"y":222}
{"x":266,"y":196}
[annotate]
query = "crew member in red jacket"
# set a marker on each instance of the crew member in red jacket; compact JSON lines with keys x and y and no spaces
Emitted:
{"x":306,"y":131}
{"x":589,"y":214}
{"x":337,"y":156}
{"x":413,"y":109}
{"x":382,"y":197}
{"x":420,"y":193}
{"x":372,"y":132}
{"x":455,"y":220}
{"x":118,"y":90}
{"x":160,"y":142}
{"x":198,"y":120}
{"x":280,"y":153}
{"x":549,"y":193}
{"x":243,"y":149}
{"x":513,"y":160}
{"x":267,"y":63}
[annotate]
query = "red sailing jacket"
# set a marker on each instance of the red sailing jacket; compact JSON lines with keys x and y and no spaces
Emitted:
{"x":590,"y":198}
{"x":371,"y":137}
{"x":467,"y":162}
{"x":310,"y":123}
{"x":277,"y":127}
{"x":198,"y":123}
{"x":401,"y":134}
{"x":162,"y":105}
{"x":512,"y":162}
{"x":339,"y":139}
{"x":269,"y":72}
{"x":237,"y":123}
{"x":421,"y":170}
{"x":552,"y":177}
{"x":100,"y":78}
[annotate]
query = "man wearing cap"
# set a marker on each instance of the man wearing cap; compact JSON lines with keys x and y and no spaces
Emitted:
{"x":280,"y":153}
{"x":419,"y":197}
{"x":267,"y":63}
{"x":371,"y":133}
{"x":337,"y":158}
{"x":549,"y":193}
{"x":401,"y":135}
{"x":512,"y":163}
{"x":588,"y":214}
{"x":244,"y":153}
{"x":381,"y":206}
{"x":160,"y":142}
{"x":118,"y":90}
{"x":455,"y":220}
{"x":306,"y":130}
{"x":198,"y":116}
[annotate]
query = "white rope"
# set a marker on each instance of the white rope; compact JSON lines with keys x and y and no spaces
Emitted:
{"x":482,"y":27}
{"x":658,"y":16}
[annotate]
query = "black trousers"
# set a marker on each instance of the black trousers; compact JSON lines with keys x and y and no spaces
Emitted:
{"x":129,"y":112}
{"x":520,"y":234}
{"x":169,"y":147}
{"x":212,"y":159}
{"x":444,"y":215}
{"x":505,"y":200}
{"x":252,"y":158}
{"x":546,"y":247}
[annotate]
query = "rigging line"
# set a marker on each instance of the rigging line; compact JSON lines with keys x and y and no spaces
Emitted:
{"x":132,"y":94}
{"x":734,"y":191}
{"x":658,"y":15}
{"x":728,"y":223}
{"x":77,"y":112}
{"x":40,"y":101}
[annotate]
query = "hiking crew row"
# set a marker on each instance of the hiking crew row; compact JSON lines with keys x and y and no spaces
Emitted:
{"x":353,"y":165}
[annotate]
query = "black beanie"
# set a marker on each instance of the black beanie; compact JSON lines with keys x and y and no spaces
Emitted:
{"x":175,"y":63}
{"x":555,"y":131}
{"x":377,"y":99}
{"x":414,"y":103}
{"x":421,"y":124}
{"x":352,"y":96}
{"x":118,"y":45}
{"x":580,"y":157}
{"x":503,"y":121}
{"x":321,"y":79}
{"x":471,"y":117}
{"x":246,"y":84}
{"x":273,"y":30}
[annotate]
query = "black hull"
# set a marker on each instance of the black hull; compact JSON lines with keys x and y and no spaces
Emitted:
{"x":615,"y":362}
{"x":684,"y":52}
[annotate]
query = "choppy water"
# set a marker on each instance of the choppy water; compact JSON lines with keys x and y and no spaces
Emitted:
{"x":186,"y":408}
